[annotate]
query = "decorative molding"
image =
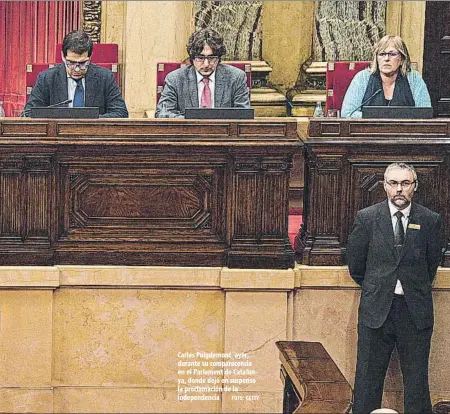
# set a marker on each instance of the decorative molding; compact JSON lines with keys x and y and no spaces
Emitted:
{"x":92,"y":19}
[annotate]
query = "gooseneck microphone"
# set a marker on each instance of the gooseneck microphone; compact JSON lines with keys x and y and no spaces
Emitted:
{"x":26,"y":112}
{"x":366,"y":101}
{"x":67,"y":101}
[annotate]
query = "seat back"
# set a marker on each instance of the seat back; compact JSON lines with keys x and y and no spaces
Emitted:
{"x":33,"y":70}
{"x":338,"y":78}
{"x":101,"y":53}
{"x":163,"y":68}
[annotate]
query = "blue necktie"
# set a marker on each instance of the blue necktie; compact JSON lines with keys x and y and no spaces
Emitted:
{"x":78,"y":97}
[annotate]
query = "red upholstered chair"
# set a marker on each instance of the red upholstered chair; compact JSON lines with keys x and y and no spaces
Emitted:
{"x":339,"y":75}
{"x":33,"y":70}
{"x":105,"y":55}
{"x":163,"y":68}
{"x":102,"y":53}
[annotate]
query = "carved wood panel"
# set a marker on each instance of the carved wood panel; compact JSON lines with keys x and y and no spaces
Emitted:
{"x":146,"y":192}
{"x":360,"y":151}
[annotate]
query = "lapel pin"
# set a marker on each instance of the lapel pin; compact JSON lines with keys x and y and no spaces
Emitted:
{"x":414,"y":226}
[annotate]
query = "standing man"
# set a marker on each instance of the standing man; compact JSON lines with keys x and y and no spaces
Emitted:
{"x":393,"y":253}
{"x":204,"y":83}
{"x":78,"y":80}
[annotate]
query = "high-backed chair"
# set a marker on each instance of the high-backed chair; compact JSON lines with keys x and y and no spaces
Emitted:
{"x":101,"y":53}
{"x":338,"y":78}
{"x":33,"y":70}
{"x":105,"y":55}
{"x":163,"y":68}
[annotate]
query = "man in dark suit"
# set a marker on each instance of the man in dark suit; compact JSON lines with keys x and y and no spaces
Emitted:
{"x":79,"y":81}
{"x":393,"y":253}
{"x":204,"y":83}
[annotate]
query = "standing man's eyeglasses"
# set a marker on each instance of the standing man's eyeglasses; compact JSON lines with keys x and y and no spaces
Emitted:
{"x":404,"y":184}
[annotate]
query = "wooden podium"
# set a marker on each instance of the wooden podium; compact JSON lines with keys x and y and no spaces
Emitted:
{"x":146,"y":192}
{"x":346,"y":159}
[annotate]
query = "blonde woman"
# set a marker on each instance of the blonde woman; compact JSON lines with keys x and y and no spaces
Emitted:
{"x":390,"y":80}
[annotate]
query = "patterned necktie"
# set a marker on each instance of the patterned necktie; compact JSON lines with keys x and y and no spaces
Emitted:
{"x":399,"y":232}
{"x":78,"y":97}
{"x":206,"y":95}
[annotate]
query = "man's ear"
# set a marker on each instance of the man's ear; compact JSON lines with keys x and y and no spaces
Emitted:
{"x":416,"y":184}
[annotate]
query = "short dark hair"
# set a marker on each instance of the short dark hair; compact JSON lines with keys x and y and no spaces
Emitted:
{"x":78,"y":42}
{"x":202,"y":37}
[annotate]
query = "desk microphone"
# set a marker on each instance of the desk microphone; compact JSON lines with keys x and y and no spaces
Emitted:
{"x":26,"y":112}
{"x":366,"y":101}
{"x":68,"y":101}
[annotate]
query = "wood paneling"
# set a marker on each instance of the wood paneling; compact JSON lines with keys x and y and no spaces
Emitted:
{"x":345,"y":174}
{"x":146,"y":192}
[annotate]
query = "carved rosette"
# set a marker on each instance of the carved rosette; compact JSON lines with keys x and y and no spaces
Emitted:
{"x":92,"y":19}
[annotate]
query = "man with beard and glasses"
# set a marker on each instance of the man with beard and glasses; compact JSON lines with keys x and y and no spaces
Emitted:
{"x":393,"y":252}
{"x":79,"y":81}
{"x":206,"y":82}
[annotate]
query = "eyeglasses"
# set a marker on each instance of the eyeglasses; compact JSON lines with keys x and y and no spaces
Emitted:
{"x":404,"y":184}
{"x":390,"y":54}
{"x":210,"y":59}
{"x":82,"y":65}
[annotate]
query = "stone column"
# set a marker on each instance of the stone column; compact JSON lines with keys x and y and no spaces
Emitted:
{"x":407,"y":19}
{"x":287,"y":38}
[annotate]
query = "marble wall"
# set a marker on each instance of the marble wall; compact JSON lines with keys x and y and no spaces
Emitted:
{"x":347,"y":30}
{"x":326,"y":308}
{"x":239,"y":22}
{"x":107,"y":339}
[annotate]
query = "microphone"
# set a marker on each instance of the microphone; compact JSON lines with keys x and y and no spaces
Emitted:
{"x":366,"y":101}
{"x":26,"y":112}
{"x":67,"y":101}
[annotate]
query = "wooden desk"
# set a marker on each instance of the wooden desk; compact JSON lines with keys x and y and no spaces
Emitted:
{"x":146,"y":192}
{"x":346,"y":160}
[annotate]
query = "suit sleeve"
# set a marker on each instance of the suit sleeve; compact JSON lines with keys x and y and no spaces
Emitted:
{"x":434,"y":248}
{"x":168,"y":102}
{"x":241,"y":98}
{"x":114,"y":104}
{"x":40,"y":94}
{"x":357,"y":248}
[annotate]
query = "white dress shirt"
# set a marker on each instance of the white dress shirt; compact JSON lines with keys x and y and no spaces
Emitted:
{"x":405,"y":219}
{"x":201,"y":86}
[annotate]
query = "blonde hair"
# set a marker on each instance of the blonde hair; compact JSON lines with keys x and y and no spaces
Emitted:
{"x":397,"y":43}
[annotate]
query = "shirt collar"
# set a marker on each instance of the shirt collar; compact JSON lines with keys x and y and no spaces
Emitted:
{"x":394,"y":209}
{"x":212,"y":77}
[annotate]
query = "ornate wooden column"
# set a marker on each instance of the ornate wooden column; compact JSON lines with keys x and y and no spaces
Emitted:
{"x":324,"y":207}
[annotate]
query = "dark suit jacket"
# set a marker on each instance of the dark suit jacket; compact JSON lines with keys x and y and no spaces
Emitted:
{"x":375,"y":265}
{"x":100,"y":90}
{"x":180,"y":90}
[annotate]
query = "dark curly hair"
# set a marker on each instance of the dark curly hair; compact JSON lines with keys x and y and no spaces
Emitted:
{"x":202,"y":37}
{"x":77,"y":42}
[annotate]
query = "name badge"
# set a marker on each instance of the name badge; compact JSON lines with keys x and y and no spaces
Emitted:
{"x":414,"y":226}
